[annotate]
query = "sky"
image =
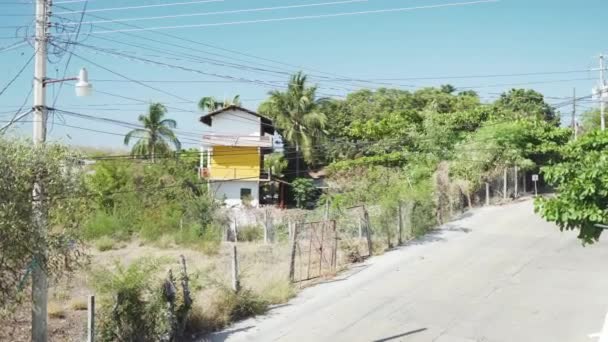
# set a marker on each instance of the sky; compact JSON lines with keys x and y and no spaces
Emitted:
{"x":250,"y":47}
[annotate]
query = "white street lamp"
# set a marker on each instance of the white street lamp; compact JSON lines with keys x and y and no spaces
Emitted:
{"x":83,"y":87}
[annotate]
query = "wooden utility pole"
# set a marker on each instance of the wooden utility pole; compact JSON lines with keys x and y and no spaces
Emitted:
{"x":368,"y":228}
{"x":400,"y":224}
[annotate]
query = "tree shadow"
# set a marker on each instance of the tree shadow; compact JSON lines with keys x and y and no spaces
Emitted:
{"x":394,"y":337}
{"x":222,"y":335}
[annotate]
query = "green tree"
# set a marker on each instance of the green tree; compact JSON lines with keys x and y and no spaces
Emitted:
{"x":156,"y":135}
{"x":581,"y":182}
{"x":275,"y":163}
{"x":303,"y":189}
{"x":525,"y":103}
{"x":211,"y":104}
{"x":591,"y":120}
{"x":296,"y":114}
{"x":64,"y":201}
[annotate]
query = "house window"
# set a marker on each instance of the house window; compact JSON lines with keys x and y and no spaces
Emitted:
{"x":245,"y":194}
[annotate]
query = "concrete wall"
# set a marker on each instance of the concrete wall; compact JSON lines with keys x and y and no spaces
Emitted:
{"x":235,"y":163}
{"x":231,"y":191}
{"x":236,"y":123}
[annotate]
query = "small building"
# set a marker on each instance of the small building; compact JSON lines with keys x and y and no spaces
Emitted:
{"x":232,"y":154}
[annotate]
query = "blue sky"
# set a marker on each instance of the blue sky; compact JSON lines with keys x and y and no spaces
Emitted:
{"x":506,"y":37}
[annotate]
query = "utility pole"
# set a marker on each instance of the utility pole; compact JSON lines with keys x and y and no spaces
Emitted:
{"x":574,"y":128}
{"x":39,"y":276}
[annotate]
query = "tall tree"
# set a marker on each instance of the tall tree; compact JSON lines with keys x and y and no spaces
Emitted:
{"x":157,"y":134}
{"x":297,"y":116}
{"x":211,"y":104}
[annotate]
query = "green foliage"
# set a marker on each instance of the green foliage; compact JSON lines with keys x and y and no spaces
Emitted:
{"x":161,"y":200}
{"x":156,"y":135}
{"x":525,"y":103}
{"x":240,"y":305}
{"x":105,"y":243}
{"x":211,"y":104}
{"x":64,"y":200}
{"x":304,"y":190}
{"x":276,"y":163}
{"x":296,"y":115}
{"x":137,"y":306}
{"x":581,"y":181}
{"x":250,"y":233}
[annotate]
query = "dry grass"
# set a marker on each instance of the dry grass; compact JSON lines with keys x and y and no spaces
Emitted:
{"x":56,"y":311}
{"x":79,"y":304}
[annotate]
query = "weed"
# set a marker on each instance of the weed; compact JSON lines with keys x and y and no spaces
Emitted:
{"x":79,"y":304}
{"x":250,"y":233}
{"x":56,"y":311}
{"x":105,"y":243}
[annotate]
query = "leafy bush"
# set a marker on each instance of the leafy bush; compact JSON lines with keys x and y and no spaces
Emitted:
{"x":102,"y":223}
{"x":105,"y":243}
{"x":303,"y":190}
{"x":236,"y":306}
{"x":250,"y":233}
{"x":131,"y":302}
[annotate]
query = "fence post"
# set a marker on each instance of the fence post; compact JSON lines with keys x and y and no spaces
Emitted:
{"x":368,"y":234}
{"x":266,"y":225}
{"x":236,"y":286}
{"x":525,"y":190}
{"x":487,"y":193}
{"x":504,"y":185}
{"x":292,"y":262}
{"x":516,"y":182}
{"x":400,"y":222}
{"x":91,"y":319}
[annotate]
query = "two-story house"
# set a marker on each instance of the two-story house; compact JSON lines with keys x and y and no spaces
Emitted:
{"x":232,"y":155}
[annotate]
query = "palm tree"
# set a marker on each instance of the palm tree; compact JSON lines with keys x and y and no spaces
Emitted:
{"x":296,"y":114}
{"x":211,"y":104}
{"x":156,"y":135}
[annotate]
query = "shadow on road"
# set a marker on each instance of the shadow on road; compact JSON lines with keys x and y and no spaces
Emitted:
{"x":223,"y":335}
{"x":400,"y":335}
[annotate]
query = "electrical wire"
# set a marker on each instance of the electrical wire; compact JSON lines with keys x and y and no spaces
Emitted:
{"x":18,"y":74}
{"x":248,"y":10}
{"x":169,"y":4}
{"x":332,"y":15}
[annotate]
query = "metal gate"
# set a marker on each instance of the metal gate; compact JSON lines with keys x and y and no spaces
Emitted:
{"x":314,"y":250}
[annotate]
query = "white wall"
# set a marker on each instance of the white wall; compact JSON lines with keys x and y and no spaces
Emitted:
{"x":236,"y":122}
{"x":232,"y":191}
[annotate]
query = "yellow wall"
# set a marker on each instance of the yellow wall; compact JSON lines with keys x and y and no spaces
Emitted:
{"x":235,"y":163}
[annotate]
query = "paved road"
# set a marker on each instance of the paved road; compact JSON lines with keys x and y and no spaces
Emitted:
{"x":499,"y":274}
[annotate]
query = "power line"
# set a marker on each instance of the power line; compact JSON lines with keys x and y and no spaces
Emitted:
{"x":170,"y":4}
{"x":125,"y":77}
{"x":17,"y":75}
{"x":199,"y":14}
{"x":402,"y":9}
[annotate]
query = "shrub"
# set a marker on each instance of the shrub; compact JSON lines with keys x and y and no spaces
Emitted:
{"x":137,"y":307}
{"x":108,"y":225}
{"x":236,"y":306}
{"x":278,"y":291}
{"x":250,"y":233}
{"x":105,"y":243}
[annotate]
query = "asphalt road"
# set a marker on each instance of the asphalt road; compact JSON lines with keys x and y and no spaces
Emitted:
{"x":498,"y":274}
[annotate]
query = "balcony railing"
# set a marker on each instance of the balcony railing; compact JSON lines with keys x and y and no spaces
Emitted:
{"x":237,"y":140}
